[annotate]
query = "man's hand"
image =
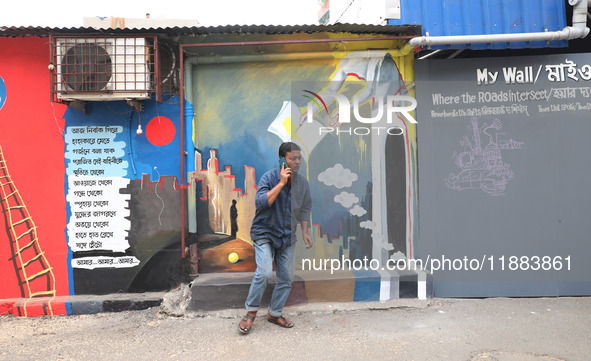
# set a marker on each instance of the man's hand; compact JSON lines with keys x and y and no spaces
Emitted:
{"x":306,"y":236}
{"x":285,"y":174}
{"x":308,"y":241}
{"x":283,"y":179}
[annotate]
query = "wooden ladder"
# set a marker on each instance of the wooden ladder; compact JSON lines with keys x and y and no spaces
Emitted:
{"x":35,"y":275}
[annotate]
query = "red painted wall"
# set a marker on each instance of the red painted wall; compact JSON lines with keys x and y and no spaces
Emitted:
{"x":31,"y":128}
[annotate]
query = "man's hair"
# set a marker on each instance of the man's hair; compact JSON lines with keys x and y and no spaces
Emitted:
{"x":287,"y":147}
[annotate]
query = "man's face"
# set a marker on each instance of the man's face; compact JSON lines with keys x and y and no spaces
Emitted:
{"x":294,"y":160}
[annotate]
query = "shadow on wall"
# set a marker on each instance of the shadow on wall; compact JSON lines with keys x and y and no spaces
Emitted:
{"x":163,"y":272}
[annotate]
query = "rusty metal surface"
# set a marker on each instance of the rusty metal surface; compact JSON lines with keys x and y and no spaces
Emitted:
{"x":226,"y":29}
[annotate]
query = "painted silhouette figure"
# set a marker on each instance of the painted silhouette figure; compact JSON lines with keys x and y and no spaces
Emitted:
{"x":234,"y":218}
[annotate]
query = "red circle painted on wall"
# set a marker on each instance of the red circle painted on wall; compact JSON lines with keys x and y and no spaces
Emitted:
{"x":160,"y":131}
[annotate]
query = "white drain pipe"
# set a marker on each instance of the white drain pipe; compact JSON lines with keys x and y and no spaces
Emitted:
{"x":578,"y":30}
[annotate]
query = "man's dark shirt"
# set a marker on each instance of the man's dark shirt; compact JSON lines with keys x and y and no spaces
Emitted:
{"x":292,"y":206}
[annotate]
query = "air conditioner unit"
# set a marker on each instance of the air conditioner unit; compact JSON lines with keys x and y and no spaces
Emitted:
{"x":91,"y":69}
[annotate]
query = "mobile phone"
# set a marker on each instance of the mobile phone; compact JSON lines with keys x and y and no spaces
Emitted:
{"x":282,"y":161}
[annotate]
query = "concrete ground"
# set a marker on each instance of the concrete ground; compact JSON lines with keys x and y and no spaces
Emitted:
{"x":500,"y":329}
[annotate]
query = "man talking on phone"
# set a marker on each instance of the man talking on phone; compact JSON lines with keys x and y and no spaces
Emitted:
{"x":282,"y":201}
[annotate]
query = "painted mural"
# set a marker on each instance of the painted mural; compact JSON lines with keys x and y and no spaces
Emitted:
{"x":362,"y":176}
{"x":90,"y":201}
{"x":33,"y":251}
{"x":123,"y":197}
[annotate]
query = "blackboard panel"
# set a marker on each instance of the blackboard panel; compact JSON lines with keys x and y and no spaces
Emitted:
{"x":504,"y":165}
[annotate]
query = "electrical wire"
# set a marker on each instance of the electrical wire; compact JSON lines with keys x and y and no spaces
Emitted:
{"x":107,"y":105}
{"x":60,"y":130}
{"x":131,"y":145}
{"x":157,"y":195}
{"x":343,"y":13}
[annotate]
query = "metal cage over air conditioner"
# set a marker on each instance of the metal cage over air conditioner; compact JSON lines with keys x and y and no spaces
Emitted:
{"x":102,"y":68}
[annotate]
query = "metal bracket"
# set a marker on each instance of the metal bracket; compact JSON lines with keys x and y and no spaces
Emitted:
{"x":137,"y":105}
{"x":78,"y":105}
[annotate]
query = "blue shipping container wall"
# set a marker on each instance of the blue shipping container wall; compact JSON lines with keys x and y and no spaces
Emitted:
{"x":475,"y":17}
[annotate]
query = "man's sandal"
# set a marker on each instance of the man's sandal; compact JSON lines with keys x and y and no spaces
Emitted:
{"x":286,"y":323}
{"x":246,"y":329}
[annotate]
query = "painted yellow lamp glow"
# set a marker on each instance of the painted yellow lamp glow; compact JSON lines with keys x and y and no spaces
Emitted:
{"x":233,"y":257}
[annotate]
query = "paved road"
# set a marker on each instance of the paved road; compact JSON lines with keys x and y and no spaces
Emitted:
{"x":542,"y":329}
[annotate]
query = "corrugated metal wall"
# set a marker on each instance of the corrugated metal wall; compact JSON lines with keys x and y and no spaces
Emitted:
{"x":471,"y":17}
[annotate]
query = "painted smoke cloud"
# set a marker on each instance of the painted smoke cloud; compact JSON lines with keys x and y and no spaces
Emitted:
{"x":346,"y":199}
{"x":341,"y":177}
{"x":338,"y":176}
